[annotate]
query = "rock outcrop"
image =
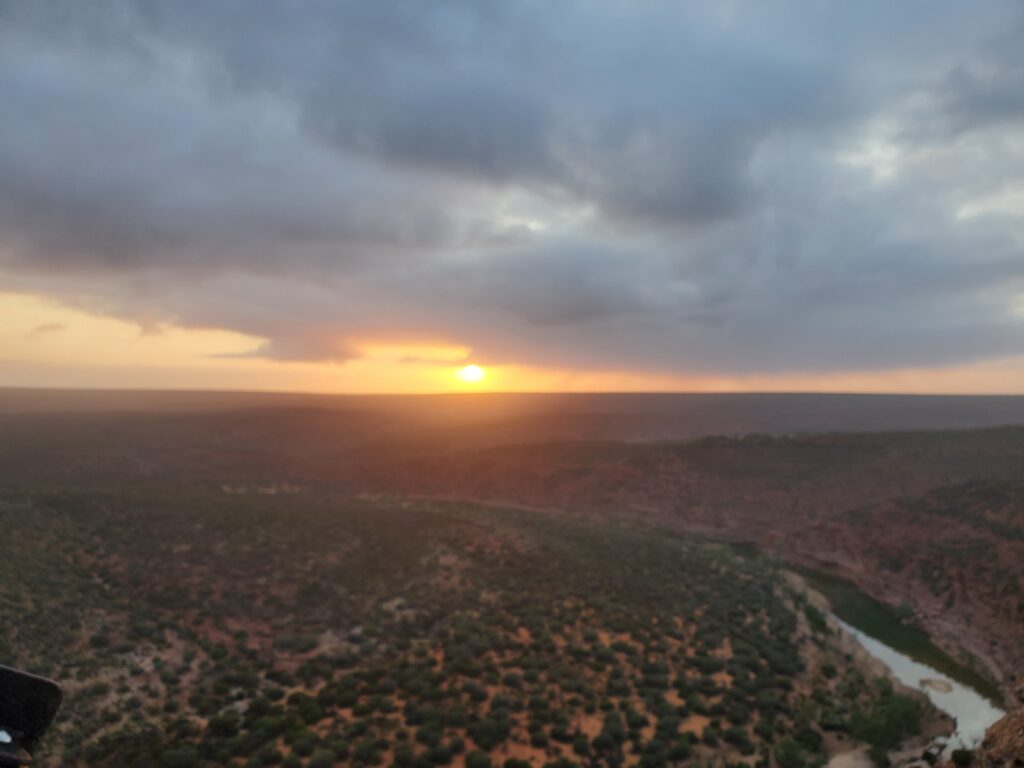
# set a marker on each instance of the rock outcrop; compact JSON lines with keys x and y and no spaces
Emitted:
{"x":1003,"y":746}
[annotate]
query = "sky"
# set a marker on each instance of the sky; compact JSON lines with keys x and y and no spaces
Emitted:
{"x":587,"y":195}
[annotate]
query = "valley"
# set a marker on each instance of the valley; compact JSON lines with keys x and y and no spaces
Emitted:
{"x":200,"y":629}
{"x":190,"y":625}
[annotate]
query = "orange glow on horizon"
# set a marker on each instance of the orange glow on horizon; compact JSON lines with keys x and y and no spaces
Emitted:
{"x":46,"y":344}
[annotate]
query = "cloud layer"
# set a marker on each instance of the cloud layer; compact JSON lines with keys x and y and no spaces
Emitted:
{"x":694,"y":188}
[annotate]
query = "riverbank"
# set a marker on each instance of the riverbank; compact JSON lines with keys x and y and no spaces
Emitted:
{"x":935,"y":724}
{"x":972,"y":712}
{"x":892,"y":628}
{"x":959,"y":654}
{"x":874,"y":629}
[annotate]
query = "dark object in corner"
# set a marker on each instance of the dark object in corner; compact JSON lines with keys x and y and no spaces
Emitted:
{"x":28,"y":704}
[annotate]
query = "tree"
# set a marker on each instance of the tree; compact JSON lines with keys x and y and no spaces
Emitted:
{"x":322,"y":758}
{"x":181,"y":757}
{"x":787,"y":754}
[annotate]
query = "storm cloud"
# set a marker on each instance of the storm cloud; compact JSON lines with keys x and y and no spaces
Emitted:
{"x":670,"y":187}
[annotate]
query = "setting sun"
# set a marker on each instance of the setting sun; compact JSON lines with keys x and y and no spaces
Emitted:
{"x":471,"y":374}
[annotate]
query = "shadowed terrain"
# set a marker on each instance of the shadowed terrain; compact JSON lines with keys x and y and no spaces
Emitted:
{"x":202,"y":628}
{"x":240,"y":581}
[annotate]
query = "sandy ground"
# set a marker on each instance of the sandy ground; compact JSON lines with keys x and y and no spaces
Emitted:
{"x":856,"y":758}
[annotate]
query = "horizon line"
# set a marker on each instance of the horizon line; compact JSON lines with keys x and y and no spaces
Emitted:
{"x":442,"y":393}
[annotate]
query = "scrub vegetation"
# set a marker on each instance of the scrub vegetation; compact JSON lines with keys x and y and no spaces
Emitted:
{"x":203,"y":628}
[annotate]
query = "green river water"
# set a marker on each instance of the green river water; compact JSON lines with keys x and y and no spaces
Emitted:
{"x":883,"y":623}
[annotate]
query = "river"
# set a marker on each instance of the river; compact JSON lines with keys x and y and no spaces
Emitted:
{"x":973,"y":712}
{"x":914,"y":659}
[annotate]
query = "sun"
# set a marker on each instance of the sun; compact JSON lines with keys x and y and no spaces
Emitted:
{"x":471,"y":374}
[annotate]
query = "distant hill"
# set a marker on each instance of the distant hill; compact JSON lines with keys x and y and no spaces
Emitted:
{"x":632,"y":416}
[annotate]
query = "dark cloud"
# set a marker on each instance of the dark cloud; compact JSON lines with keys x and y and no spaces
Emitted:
{"x":986,"y":88}
{"x":675,"y":187}
{"x":45,"y":329}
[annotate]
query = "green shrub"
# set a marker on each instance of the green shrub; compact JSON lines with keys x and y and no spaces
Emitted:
{"x":787,"y":754}
{"x":322,"y":758}
{"x":180,"y":757}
